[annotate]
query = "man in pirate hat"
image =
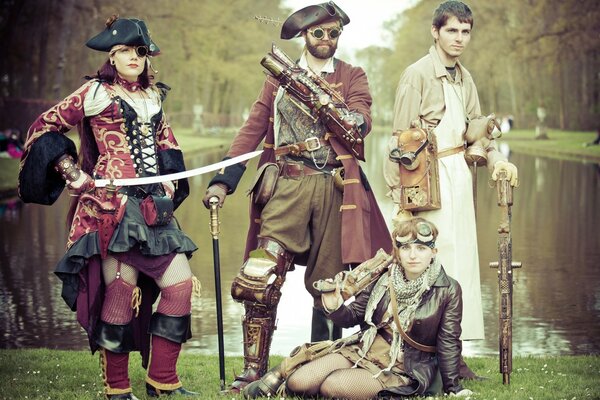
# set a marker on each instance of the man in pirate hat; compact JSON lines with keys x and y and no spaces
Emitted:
{"x":308,"y":220}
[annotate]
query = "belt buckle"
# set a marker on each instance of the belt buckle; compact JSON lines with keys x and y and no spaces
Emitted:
{"x":312,"y":143}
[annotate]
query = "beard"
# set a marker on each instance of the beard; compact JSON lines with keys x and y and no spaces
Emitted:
{"x":324,"y":51}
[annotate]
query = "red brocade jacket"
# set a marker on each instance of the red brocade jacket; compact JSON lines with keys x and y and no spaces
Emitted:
{"x":117,"y":135}
{"x":120,"y":140}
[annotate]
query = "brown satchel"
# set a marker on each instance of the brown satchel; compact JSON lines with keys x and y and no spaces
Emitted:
{"x":263,"y":186}
{"x":416,"y":155}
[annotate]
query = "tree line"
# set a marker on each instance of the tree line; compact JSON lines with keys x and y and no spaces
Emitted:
{"x":523,"y":54}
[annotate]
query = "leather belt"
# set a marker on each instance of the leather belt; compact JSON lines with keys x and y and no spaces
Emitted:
{"x":139,"y":192}
{"x":310,"y":144}
{"x":449,"y":152}
{"x":298,"y":170}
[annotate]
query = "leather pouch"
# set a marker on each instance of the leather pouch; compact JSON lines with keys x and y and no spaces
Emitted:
{"x":157,"y":210}
{"x":338,"y":179}
{"x":263,"y":187}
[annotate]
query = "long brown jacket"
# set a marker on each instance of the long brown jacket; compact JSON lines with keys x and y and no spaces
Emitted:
{"x":436,"y":323}
{"x":363,"y":226}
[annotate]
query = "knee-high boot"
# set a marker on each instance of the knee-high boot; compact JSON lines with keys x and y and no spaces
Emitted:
{"x":115,"y":341}
{"x":258,"y":286}
{"x":114,"y":335}
{"x":170,"y":326}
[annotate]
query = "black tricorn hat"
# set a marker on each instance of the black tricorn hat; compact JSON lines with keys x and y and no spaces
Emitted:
{"x":127,"y":31}
{"x":312,"y":15}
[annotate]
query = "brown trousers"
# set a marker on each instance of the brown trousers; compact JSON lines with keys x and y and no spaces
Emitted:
{"x":304,"y":216}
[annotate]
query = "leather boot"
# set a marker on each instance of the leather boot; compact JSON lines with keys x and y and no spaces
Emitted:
{"x":168,"y":333}
{"x":322,"y":328}
{"x":115,"y":342}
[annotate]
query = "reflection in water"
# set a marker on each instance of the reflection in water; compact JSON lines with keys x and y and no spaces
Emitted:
{"x":555,"y":235}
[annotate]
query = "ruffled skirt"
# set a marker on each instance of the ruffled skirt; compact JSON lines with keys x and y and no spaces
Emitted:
{"x":148,"y":244}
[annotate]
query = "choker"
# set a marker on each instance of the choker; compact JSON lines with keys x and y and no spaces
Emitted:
{"x":131,"y":86}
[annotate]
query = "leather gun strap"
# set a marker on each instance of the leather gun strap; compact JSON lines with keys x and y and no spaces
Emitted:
{"x":408,"y":339}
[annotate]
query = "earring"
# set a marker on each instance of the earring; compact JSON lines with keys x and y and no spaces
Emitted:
{"x":112,"y":62}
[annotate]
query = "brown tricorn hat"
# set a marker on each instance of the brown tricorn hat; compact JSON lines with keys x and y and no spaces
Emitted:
{"x":312,"y":15}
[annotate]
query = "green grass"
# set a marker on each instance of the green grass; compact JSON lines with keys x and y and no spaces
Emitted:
{"x":59,"y":374}
{"x":560,"y":144}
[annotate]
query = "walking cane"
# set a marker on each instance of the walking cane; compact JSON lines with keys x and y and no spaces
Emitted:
{"x":505,"y":266}
{"x":214,"y":231}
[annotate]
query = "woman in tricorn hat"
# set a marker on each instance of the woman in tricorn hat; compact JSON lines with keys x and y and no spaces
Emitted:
{"x":123,"y":247}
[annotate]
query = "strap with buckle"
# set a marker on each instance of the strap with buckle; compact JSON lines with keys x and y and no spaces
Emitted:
{"x":449,"y":152}
{"x":310,"y":144}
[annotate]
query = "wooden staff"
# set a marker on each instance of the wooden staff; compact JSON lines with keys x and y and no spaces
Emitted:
{"x":505,"y":276}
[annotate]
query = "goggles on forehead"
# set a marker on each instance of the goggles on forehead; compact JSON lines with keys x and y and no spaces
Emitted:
{"x":424,"y":236}
{"x":319,"y":32}
{"x":141,"y":51}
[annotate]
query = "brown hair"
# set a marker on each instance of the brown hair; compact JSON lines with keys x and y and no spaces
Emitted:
{"x":452,"y":8}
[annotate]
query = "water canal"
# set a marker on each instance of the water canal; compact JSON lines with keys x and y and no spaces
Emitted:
{"x":556,"y":219}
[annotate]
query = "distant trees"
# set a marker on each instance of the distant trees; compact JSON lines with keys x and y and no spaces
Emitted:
{"x":210,"y":49}
{"x":522,"y":54}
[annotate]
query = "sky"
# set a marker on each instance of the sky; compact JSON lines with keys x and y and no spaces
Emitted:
{"x":366,"y":20}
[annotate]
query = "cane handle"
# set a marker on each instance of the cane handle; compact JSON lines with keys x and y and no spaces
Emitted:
{"x":214,"y":216}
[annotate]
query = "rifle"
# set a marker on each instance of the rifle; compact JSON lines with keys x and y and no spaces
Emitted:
{"x":505,"y":276}
{"x":315,"y":93}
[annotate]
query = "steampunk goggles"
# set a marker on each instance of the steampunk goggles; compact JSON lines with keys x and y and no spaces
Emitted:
{"x":319,"y":32}
{"x":424,"y":236}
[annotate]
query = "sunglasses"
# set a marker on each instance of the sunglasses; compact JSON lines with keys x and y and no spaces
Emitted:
{"x":319,"y":32}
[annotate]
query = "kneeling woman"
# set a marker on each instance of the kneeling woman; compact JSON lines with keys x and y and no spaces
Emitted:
{"x":410,"y":319}
{"x":122,"y":249}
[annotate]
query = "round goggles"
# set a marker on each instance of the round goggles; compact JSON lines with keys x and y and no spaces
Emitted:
{"x":141,"y":51}
{"x":424,"y":236}
{"x":319,"y":32}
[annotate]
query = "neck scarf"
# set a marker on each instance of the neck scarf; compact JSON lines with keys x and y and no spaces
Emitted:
{"x":408,"y":295}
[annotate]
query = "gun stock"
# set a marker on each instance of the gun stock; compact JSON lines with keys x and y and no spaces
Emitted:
{"x":315,"y":93}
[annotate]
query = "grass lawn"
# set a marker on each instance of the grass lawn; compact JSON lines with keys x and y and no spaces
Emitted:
{"x":59,"y":374}
{"x":560,"y":144}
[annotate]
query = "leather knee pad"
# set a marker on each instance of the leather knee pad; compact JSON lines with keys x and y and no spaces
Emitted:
{"x":262,"y":275}
{"x":177,"y":329}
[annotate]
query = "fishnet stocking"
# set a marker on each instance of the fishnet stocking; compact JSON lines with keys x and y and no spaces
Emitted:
{"x":112,"y":269}
{"x":332,"y":376}
{"x":178,"y":271}
{"x":351,"y":384}
{"x":308,"y":378}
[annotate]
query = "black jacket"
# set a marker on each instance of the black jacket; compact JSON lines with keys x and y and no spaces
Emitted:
{"x":436,"y":323}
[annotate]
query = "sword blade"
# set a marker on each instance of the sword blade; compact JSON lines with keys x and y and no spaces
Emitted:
{"x":179,"y":175}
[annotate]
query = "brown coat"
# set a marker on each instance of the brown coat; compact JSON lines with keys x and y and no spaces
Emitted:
{"x":436,"y":323}
{"x":363,"y":227}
